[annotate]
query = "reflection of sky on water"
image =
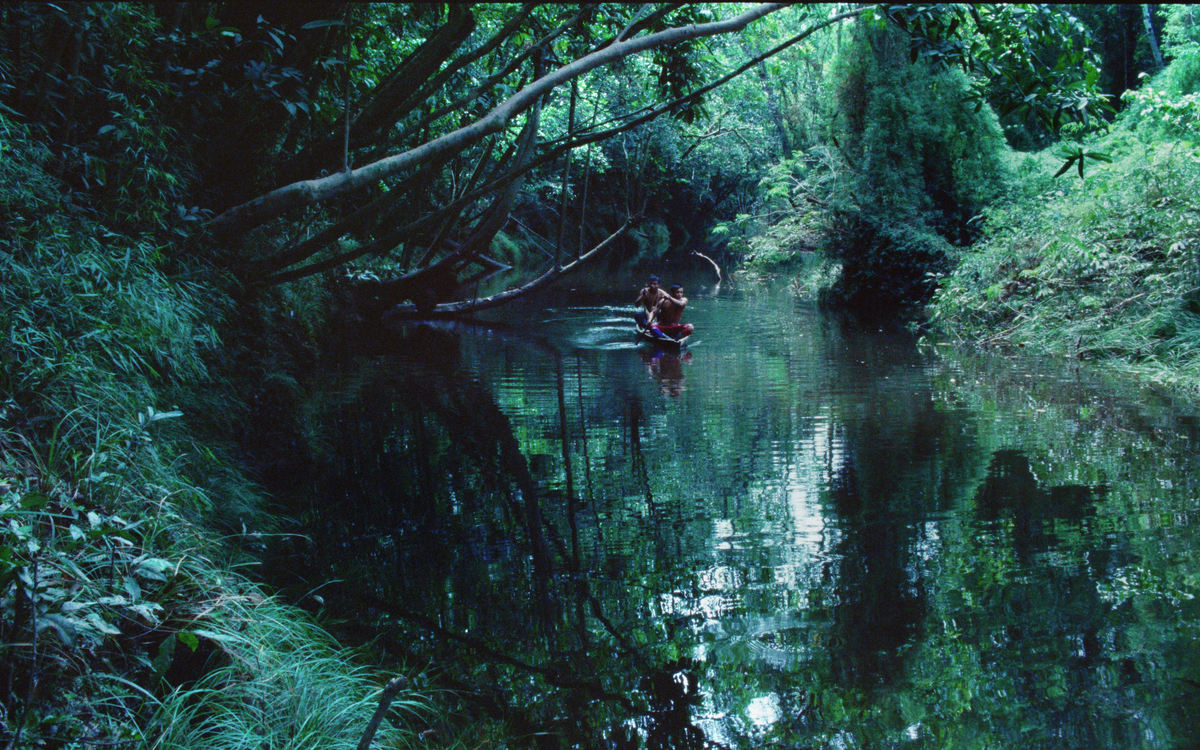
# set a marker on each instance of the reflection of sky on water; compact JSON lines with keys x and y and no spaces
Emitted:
{"x":764,"y":710}
{"x":797,"y":535}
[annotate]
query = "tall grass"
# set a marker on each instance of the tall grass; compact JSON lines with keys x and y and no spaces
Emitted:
{"x":120,"y":621}
{"x":285,"y":684}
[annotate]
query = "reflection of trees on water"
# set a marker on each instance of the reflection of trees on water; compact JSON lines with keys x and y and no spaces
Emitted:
{"x":898,"y":463}
{"x":1055,"y":615}
{"x":432,"y":482}
{"x":550,"y":554}
{"x":880,"y":609}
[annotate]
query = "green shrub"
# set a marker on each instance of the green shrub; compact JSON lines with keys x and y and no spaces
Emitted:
{"x":97,"y":567}
{"x":917,"y":167}
{"x":1105,"y":268}
{"x":94,"y":331}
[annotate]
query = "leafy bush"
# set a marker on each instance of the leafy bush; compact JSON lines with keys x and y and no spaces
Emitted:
{"x":100,"y":101}
{"x":1167,"y":106}
{"x":886,"y":265}
{"x":88,"y":578}
{"x":94,"y":548}
{"x":1103,"y":269}
{"x":900,"y":191}
{"x":1182,"y":43}
{"x":93,"y":328}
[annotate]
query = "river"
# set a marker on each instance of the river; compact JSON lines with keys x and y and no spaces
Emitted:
{"x":803,"y":532}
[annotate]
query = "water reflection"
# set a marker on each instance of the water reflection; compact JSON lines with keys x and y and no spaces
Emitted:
{"x":667,"y":368}
{"x":816,"y":536}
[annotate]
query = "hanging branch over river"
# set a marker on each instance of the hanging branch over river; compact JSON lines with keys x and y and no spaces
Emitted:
{"x":446,"y":263}
{"x":431,"y":210}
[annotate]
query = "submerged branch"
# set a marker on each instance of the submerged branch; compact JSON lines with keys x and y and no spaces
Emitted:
{"x":394,"y":686}
{"x":554,"y":675}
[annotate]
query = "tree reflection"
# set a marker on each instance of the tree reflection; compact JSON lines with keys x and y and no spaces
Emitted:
{"x":592,"y":564}
{"x":441,"y":532}
{"x":880,"y":610}
{"x":672,"y":693}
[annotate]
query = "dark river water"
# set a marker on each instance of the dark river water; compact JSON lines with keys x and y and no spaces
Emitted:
{"x":803,"y":532}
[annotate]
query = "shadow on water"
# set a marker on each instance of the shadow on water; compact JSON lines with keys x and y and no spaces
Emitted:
{"x":803,"y":532}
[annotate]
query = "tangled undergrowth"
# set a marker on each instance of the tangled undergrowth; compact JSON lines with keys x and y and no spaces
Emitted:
{"x":1103,"y":269}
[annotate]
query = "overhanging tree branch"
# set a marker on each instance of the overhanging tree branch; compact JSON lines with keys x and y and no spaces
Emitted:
{"x":307,"y":192}
{"x":559,"y":147}
{"x":482,"y":236}
{"x":456,"y":309}
{"x":492,"y":80}
{"x":385,"y":98}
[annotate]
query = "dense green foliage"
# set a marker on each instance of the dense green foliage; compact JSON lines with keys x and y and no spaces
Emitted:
{"x":1104,"y":267}
{"x":117,"y":472}
{"x":153,"y":370}
{"x":888,"y":188}
{"x":916,"y":169}
{"x":112,"y":587}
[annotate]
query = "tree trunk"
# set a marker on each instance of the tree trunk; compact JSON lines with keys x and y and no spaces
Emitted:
{"x":1158,"y":59}
{"x":566,"y":176}
{"x":383,"y":108}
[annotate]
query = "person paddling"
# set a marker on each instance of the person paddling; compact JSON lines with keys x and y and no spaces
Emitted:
{"x":669,"y":312}
{"x":648,"y":298}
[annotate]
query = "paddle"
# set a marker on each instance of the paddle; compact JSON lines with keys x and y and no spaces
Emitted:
{"x":650,"y":322}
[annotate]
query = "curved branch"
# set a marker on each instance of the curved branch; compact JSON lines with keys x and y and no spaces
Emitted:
{"x":712,"y":262}
{"x":324,"y":239}
{"x":456,"y":309}
{"x":481,"y":237}
{"x":562,"y":145}
{"x":307,"y":248}
{"x":385,"y":97}
{"x":307,"y":192}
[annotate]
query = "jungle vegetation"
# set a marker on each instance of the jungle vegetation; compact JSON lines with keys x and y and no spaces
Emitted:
{"x":199,"y":199}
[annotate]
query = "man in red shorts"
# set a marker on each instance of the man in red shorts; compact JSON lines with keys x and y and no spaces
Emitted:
{"x":670,"y":311}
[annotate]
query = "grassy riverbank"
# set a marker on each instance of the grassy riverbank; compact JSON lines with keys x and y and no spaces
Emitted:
{"x":124,"y":618}
{"x":1101,"y":263}
{"x":1103,"y":268}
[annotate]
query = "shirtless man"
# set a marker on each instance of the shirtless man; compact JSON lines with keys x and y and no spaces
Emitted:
{"x":648,"y":298}
{"x":670,"y":311}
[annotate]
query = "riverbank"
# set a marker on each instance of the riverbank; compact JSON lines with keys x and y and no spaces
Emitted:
{"x":125,"y":521}
{"x":1105,"y":268}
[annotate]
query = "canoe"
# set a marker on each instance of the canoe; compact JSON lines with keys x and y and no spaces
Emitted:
{"x":646,"y":335}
